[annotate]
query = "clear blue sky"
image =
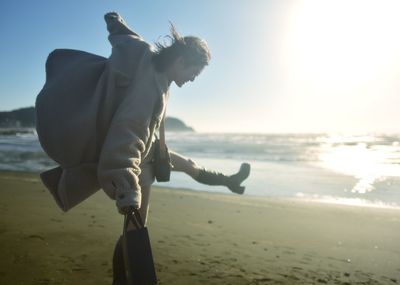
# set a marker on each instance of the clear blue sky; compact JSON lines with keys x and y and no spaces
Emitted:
{"x":277,"y":66}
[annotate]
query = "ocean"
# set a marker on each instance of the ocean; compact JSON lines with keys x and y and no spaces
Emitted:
{"x":361,"y":170}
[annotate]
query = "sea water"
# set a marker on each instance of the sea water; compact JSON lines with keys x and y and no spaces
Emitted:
{"x":346,"y":169}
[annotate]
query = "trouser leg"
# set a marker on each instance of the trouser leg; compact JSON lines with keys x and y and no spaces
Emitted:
{"x":144,"y":209}
{"x":184,"y":164}
{"x":209,"y":177}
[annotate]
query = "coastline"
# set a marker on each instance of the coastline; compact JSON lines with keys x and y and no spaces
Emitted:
{"x":197,"y":238}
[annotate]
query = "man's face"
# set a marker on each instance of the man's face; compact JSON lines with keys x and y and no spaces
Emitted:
{"x":184,"y":73}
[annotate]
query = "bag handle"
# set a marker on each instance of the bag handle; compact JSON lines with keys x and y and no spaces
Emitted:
{"x":135,"y":218}
{"x":163,"y":147}
{"x":161,"y":130}
{"x":138,"y":217}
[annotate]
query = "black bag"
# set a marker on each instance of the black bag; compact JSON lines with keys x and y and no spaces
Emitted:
{"x":138,"y":258}
{"x":162,"y":162}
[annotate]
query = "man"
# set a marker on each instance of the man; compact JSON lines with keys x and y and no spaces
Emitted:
{"x":96,"y":117}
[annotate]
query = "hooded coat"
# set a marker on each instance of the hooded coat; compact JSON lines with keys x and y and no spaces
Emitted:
{"x":96,"y":117}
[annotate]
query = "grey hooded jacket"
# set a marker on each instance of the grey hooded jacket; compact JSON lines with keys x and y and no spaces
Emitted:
{"x":96,"y":117}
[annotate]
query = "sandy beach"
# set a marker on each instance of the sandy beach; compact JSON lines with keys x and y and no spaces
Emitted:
{"x":197,"y":238}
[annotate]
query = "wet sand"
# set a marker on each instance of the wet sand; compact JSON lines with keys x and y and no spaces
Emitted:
{"x":197,"y":238}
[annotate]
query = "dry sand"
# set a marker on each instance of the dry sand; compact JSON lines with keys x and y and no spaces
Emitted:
{"x":197,"y":238}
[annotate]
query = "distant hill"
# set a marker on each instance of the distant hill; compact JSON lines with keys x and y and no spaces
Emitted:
{"x":25,"y":118}
{"x":176,"y":125}
{"x":20,"y":118}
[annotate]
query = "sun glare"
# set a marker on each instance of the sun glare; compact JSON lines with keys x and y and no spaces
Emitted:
{"x":346,"y":40}
{"x":342,"y":55}
{"x":368,"y":164}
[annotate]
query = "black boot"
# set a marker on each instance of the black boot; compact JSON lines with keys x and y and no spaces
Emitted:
{"x":232,"y":182}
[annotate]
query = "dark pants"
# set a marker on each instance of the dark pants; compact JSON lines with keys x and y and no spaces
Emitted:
{"x":119,"y":277}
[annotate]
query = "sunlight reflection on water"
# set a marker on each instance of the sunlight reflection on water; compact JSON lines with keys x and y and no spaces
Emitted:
{"x":366,"y":158}
{"x":347,"y":201}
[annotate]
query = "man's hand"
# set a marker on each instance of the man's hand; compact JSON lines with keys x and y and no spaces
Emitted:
{"x":128,"y":201}
{"x":126,"y":210}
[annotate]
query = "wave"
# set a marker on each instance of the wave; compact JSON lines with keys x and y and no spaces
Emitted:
{"x":21,"y":132}
{"x":18,"y":145}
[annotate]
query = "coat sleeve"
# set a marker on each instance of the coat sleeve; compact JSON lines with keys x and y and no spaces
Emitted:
{"x":125,"y":143}
{"x":127,"y":49}
{"x":117,"y":26}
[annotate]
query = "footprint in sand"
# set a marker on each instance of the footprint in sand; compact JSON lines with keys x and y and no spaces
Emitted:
{"x":262,"y":279}
{"x":69,"y":260}
{"x":392,"y":280}
{"x":42,"y":281}
{"x":56,"y":220}
{"x":79,"y":269}
{"x":307,"y":258}
{"x":36,"y":237}
{"x":216,"y":261}
{"x":289,"y":252}
{"x":289,"y":277}
{"x":215,"y":276}
{"x":160,"y":267}
{"x":188,"y":237}
{"x":204,"y":256}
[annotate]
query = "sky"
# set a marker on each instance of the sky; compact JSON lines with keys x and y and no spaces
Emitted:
{"x":277,"y":66}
